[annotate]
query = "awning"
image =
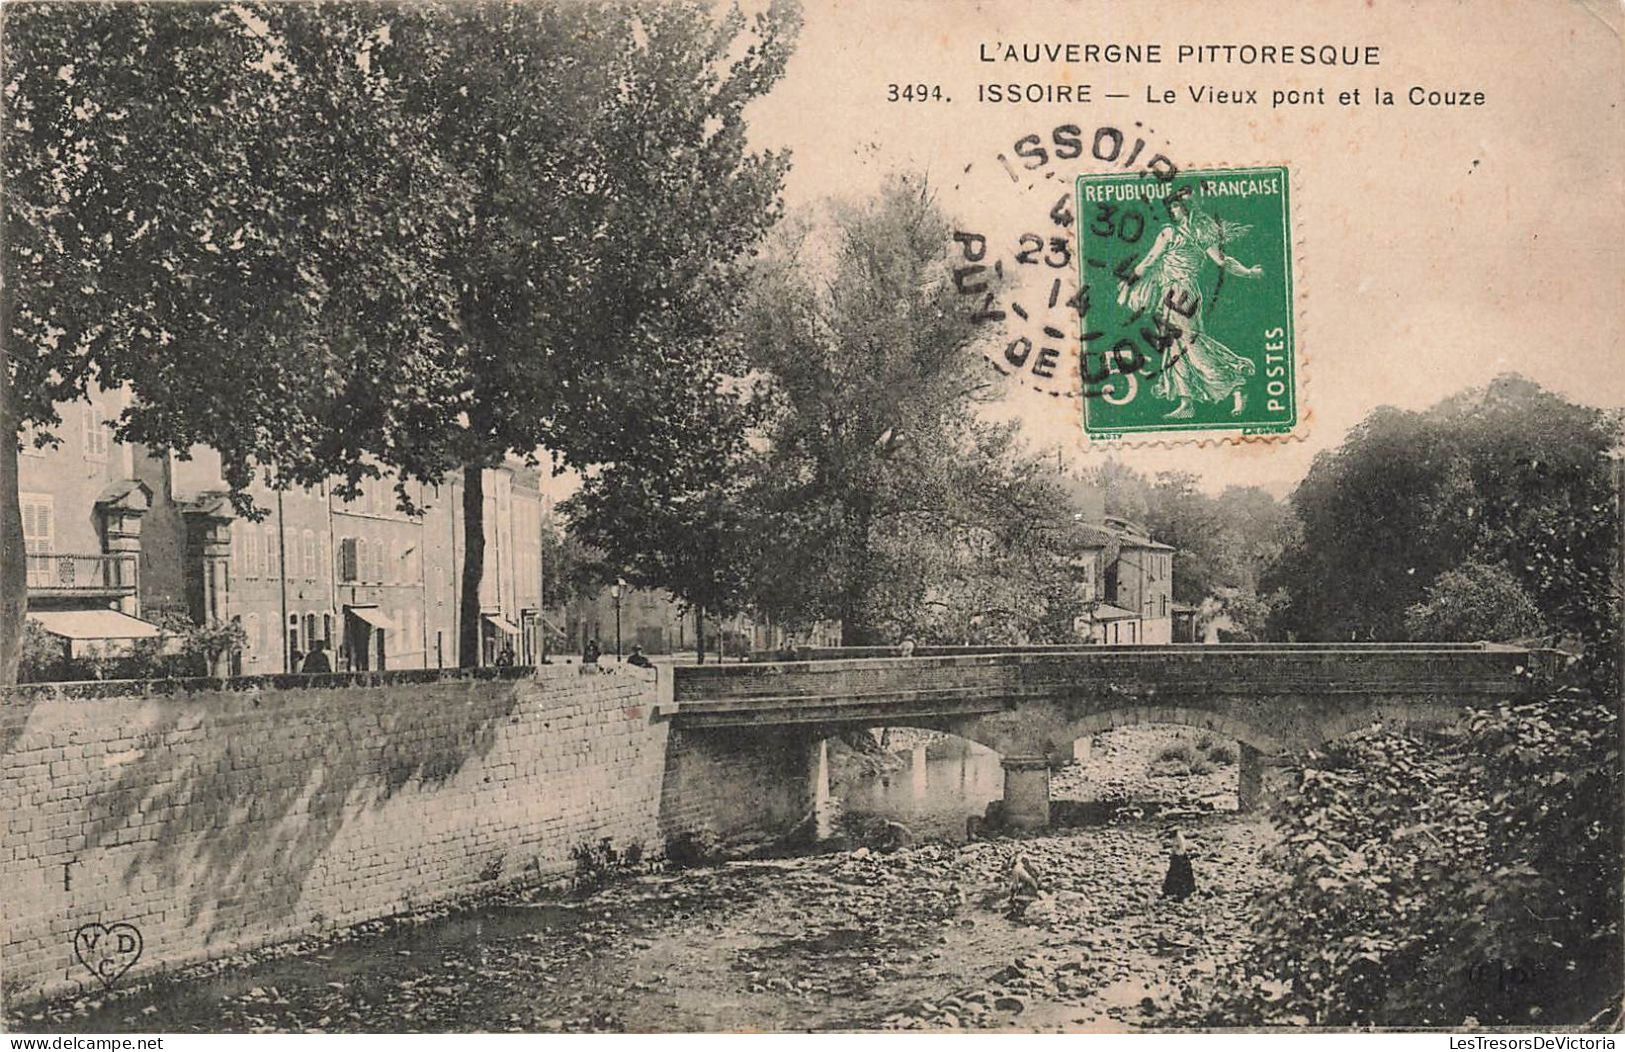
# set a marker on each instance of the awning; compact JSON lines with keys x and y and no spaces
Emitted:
{"x":502,"y":624}
{"x":107,"y":632}
{"x":1108,"y":612}
{"x":93,"y":624}
{"x":372,"y":616}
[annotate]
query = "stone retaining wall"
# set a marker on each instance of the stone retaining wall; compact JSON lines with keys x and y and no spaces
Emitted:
{"x":216,"y":817}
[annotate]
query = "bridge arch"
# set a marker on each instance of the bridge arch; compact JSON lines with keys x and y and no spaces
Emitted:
{"x":1201,"y":719}
{"x":1043,"y":729}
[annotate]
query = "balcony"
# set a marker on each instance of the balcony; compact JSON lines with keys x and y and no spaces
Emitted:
{"x":69,"y":576}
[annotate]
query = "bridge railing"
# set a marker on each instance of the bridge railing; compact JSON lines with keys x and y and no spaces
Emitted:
{"x":1237,"y":668}
{"x":852,"y":653}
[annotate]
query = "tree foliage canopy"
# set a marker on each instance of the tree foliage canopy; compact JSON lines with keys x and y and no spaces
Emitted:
{"x":891,"y":503}
{"x":346,"y":238}
{"x":1510,"y":475}
{"x":1472,"y":602}
{"x":202,"y":202}
{"x":846,"y":473}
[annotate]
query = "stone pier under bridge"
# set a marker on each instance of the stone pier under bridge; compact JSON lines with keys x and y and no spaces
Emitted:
{"x":1031,"y":704}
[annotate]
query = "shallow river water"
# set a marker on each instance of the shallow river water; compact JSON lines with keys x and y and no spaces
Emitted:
{"x":934,"y":787}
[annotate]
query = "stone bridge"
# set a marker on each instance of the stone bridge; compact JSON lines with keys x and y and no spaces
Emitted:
{"x":1030,"y":704}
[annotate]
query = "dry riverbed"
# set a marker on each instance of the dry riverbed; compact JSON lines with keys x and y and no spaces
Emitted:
{"x":918,"y":939}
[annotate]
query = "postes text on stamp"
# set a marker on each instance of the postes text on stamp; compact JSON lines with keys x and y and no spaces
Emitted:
{"x":1188,"y":324}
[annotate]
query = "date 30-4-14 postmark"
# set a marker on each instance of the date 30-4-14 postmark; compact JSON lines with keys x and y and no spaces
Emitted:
{"x":1189,"y":321}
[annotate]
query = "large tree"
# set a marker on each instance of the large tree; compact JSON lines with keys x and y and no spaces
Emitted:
{"x":611,"y":201}
{"x":1510,"y":475}
{"x":200,"y":204}
{"x":347,"y":238}
{"x":683,"y":518}
{"x":883,"y":477}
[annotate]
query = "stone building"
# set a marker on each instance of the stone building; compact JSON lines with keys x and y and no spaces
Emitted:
{"x":117,"y":536}
{"x":1128,"y":579}
{"x":83,"y":511}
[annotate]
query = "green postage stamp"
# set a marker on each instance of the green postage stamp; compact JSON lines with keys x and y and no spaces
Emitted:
{"x":1187,"y":323}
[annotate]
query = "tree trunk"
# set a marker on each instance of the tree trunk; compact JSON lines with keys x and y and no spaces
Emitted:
{"x":468,"y":611}
{"x":854,"y":632}
{"x":699,"y":633}
{"x":859,"y":583}
{"x":850,"y":633}
{"x":13,"y":566}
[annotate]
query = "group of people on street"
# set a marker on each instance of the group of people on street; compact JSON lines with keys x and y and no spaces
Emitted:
{"x":318,"y":661}
{"x":591,"y":653}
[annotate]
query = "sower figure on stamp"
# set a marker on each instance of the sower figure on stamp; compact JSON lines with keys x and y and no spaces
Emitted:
{"x":1169,"y":280}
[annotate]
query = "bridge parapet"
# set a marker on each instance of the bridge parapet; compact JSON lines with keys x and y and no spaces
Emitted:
{"x":1236,"y":681}
{"x":804,"y":653}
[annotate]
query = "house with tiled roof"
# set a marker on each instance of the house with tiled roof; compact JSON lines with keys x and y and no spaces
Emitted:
{"x":1127,"y":579}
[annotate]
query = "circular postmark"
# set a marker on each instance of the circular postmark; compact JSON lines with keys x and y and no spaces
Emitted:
{"x":1026,"y":284}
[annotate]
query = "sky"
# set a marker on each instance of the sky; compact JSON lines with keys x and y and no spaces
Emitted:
{"x":1434,"y":247}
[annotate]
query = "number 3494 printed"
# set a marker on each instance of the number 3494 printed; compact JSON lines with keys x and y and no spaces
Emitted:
{"x":920,"y":92}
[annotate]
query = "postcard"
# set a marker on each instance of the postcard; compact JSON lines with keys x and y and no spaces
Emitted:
{"x":947,"y":516}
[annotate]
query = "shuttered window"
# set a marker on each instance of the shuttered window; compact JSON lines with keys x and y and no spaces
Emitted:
{"x":96,"y":436}
{"x":273,"y":557}
{"x":349,"y":559}
{"x":39,"y":523}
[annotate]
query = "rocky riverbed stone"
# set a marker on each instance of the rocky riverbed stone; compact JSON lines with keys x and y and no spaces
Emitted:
{"x":859,"y":940}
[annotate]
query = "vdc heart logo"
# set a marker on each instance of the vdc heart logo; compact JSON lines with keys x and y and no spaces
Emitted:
{"x":107,"y":952}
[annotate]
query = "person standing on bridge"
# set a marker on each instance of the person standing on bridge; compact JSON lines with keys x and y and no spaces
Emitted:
{"x":1180,"y":883}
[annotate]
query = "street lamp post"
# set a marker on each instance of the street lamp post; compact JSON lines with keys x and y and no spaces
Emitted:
{"x":615,"y":593}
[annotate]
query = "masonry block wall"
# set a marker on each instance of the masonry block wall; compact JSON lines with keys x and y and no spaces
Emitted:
{"x":219,"y":817}
{"x":736,"y":779}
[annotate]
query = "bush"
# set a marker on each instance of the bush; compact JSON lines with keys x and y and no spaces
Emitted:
{"x":699,"y":847}
{"x":1180,"y":758}
{"x":1474,"y":602}
{"x":1439,"y":881}
{"x":1220,"y":751}
{"x":1180,"y":751}
{"x":598,"y":864}
{"x":44,"y":657}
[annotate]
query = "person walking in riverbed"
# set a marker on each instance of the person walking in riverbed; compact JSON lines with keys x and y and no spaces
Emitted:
{"x":1180,"y":883}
